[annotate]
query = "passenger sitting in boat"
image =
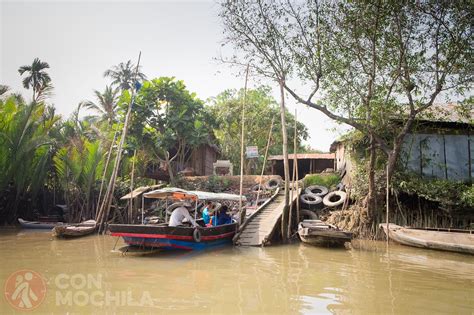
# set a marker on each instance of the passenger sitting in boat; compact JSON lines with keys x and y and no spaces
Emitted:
{"x":179,"y":214}
{"x":224,"y":217}
{"x":207,"y":212}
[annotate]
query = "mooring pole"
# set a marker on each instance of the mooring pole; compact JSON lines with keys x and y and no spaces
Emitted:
{"x":242,"y":142}
{"x":388,"y":206}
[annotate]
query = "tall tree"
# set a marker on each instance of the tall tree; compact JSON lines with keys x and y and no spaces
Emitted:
{"x":26,"y":147}
{"x":261,"y":108}
{"x":106,"y":104}
{"x":37,"y":79}
{"x":170,"y":121}
{"x":365,"y":61}
{"x":123,"y":75}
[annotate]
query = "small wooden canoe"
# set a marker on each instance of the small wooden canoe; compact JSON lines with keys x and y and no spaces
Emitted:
{"x":75,"y":230}
{"x":38,"y":224}
{"x":453,"y":240}
{"x":318,"y":233}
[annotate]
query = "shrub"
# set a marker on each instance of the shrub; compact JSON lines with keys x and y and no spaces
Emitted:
{"x":329,"y":180}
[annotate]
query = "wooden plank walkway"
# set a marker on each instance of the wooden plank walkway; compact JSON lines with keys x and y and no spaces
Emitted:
{"x":261,"y":226}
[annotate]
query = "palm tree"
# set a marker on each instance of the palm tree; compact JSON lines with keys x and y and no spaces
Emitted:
{"x":38,"y":79}
{"x":123,"y":75}
{"x":4,"y":89}
{"x":106,"y":105}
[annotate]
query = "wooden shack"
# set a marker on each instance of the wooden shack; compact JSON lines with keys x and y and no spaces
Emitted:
{"x":308,"y":163}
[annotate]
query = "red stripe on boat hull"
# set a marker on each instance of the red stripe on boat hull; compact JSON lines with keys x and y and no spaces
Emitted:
{"x":173,"y":237}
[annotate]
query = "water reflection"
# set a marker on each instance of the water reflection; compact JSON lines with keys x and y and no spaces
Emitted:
{"x":276,"y":280}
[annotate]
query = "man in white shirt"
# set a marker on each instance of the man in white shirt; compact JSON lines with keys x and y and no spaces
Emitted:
{"x":179,"y":214}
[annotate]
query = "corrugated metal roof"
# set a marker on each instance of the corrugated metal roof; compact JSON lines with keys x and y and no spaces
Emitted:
{"x":304,"y":156}
{"x":448,"y":112}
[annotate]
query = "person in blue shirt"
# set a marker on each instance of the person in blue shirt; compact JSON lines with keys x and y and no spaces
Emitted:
{"x":207,"y":212}
{"x":223,"y":217}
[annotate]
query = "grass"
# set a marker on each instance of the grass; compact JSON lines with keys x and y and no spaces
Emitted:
{"x":329,"y":180}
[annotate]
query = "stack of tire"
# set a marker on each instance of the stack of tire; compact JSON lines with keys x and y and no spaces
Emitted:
{"x":262,"y":189}
{"x":316,"y":196}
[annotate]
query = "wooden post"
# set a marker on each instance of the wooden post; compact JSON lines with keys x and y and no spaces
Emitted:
{"x":104,"y":209}
{"x":264,"y":160}
{"x":296,"y":177}
{"x":388,"y":206}
{"x":109,"y":154}
{"x":284,"y":219}
{"x":242,"y":143}
{"x":130,"y":208}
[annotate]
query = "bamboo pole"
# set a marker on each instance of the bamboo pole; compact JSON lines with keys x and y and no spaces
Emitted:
{"x":284,"y":220}
{"x":296,"y":171}
{"x":130,"y":205}
{"x":104,"y":173}
{"x":388,"y":206}
{"x":264,"y":160}
{"x":242,"y":141}
{"x":293,"y":182}
{"x":104,"y":211}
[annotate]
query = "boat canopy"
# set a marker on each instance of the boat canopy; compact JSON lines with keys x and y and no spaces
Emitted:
{"x":140,"y":190}
{"x":177,"y":193}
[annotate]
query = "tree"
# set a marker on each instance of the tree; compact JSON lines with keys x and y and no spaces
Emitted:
{"x":78,"y":169}
{"x":38,"y":79}
{"x":4,"y":89}
{"x":365,"y":61}
{"x":106,"y":104}
{"x":261,"y":108}
{"x":169,"y":121}
{"x":26,"y":147}
{"x":123,"y":75}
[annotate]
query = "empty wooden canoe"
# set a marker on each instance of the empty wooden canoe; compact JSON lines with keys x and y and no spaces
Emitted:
{"x":453,"y":240}
{"x":75,"y":230}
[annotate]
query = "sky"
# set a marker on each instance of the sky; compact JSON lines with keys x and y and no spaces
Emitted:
{"x":81,"y":39}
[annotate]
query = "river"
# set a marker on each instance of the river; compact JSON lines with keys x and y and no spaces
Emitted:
{"x":84,"y":276}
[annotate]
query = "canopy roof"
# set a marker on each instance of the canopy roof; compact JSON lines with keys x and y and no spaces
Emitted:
{"x":181,"y":194}
{"x":138,"y":191}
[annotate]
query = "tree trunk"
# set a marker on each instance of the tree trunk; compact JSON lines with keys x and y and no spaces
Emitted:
{"x":168,"y":166}
{"x":371,"y":195}
{"x":285,"y":214}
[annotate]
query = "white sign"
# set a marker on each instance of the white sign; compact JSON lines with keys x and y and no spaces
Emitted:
{"x":252,"y":152}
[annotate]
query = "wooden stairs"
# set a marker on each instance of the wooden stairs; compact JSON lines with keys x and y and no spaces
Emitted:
{"x":258,"y":229}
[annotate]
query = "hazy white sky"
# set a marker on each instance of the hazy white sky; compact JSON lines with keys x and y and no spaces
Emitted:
{"x":81,"y":39}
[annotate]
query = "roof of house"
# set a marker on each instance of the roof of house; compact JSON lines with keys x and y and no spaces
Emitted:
{"x":304,"y":156}
{"x":448,"y":112}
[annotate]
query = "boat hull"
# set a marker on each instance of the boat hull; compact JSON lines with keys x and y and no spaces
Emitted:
{"x":315,"y":232}
{"x":75,"y":230}
{"x":446,"y":240}
{"x":325,"y":240}
{"x":38,"y":225}
{"x":166,"y":237}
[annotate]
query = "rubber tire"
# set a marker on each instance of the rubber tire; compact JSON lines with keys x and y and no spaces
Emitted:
{"x":255,"y":189}
{"x":272,"y":184}
{"x":327,"y":199}
{"x":197,"y":235}
{"x":309,"y":213}
{"x":323,"y":190}
{"x":305,"y":198}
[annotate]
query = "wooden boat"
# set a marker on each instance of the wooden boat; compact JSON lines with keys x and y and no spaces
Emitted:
{"x":177,"y":237}
{"x":453,"y":240}
{"x":184,"y":237}
{"x":318,"y":233}
{"x":38,"y":224}
{"x":75,"y":230}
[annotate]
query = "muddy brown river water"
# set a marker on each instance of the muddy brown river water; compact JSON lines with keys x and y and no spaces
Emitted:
{"x":83,"y":276}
